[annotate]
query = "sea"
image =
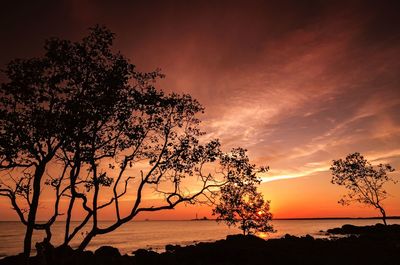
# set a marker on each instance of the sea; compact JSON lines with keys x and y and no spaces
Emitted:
{"x":156,"y":235}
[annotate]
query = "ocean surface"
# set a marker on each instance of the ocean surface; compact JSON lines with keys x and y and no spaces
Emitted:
{"x":157,"y":234}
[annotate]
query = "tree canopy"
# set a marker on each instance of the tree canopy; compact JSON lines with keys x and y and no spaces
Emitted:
{"x":364,"y":182}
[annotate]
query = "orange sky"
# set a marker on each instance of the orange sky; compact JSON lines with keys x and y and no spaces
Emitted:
{"x":296,"y":84}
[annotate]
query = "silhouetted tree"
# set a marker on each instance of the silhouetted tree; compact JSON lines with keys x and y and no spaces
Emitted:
{"x":364,"y":182}
{"x":239,"y":202}
{"x":107,"y":133}
{"x":32,"y":124}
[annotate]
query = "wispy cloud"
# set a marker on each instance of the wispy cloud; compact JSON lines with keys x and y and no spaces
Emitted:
{"x":304,"y":171}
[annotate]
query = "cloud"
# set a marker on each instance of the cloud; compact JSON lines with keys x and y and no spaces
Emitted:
{"x":307,"y":170}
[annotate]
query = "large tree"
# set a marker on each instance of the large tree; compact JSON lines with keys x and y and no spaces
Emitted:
{"x":82,"y":121}
{"x":364,"y":182}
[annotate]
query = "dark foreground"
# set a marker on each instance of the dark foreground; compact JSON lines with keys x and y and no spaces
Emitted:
{"x":373,"y":245}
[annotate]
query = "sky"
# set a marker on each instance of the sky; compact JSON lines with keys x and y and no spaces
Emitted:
{"x":297,"y":83}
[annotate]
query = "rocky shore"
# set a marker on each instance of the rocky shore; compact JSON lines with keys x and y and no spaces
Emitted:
{"x":373,"y":245}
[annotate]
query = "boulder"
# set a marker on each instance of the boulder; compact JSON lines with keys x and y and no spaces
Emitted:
{"x":107,"y":255}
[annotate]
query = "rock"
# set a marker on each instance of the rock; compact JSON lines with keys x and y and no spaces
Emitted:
{"x":308,"y":237}
{"x":86,"y":257}
{"x":144,"y":256}
{"x":13,"y":260}
{"x":172,"y":248}
{"x":140,"y":251}
{"x":107,"y":255}
{"x":107,"y":251}
{"x":63,"y":251}
{"x":287,"y":236}
{"x":234,"y":237}
{"x":371,"y":230}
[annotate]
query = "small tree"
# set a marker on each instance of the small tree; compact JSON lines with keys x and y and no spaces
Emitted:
{"x":363,"y":181}
{"x":239,"y":202}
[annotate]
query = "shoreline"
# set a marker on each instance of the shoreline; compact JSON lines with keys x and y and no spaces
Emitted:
{"x":374,"y":244}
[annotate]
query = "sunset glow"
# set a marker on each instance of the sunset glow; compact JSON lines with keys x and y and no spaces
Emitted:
{"x":297,"y":88}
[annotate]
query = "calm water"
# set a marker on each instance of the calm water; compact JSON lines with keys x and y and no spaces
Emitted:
{"x":157,"y":234}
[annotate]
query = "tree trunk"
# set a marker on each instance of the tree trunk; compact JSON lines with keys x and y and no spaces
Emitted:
{"x":47,"y":239}
{"x":73,"y":176}
{"x":86,"y":241}
{"x":383,"y":215}
{"x":244,"y":227}
{"x":32,"y":211}
{"x":68,"y":219}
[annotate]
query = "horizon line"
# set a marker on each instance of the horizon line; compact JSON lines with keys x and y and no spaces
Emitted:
{"x":212,"y":219}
